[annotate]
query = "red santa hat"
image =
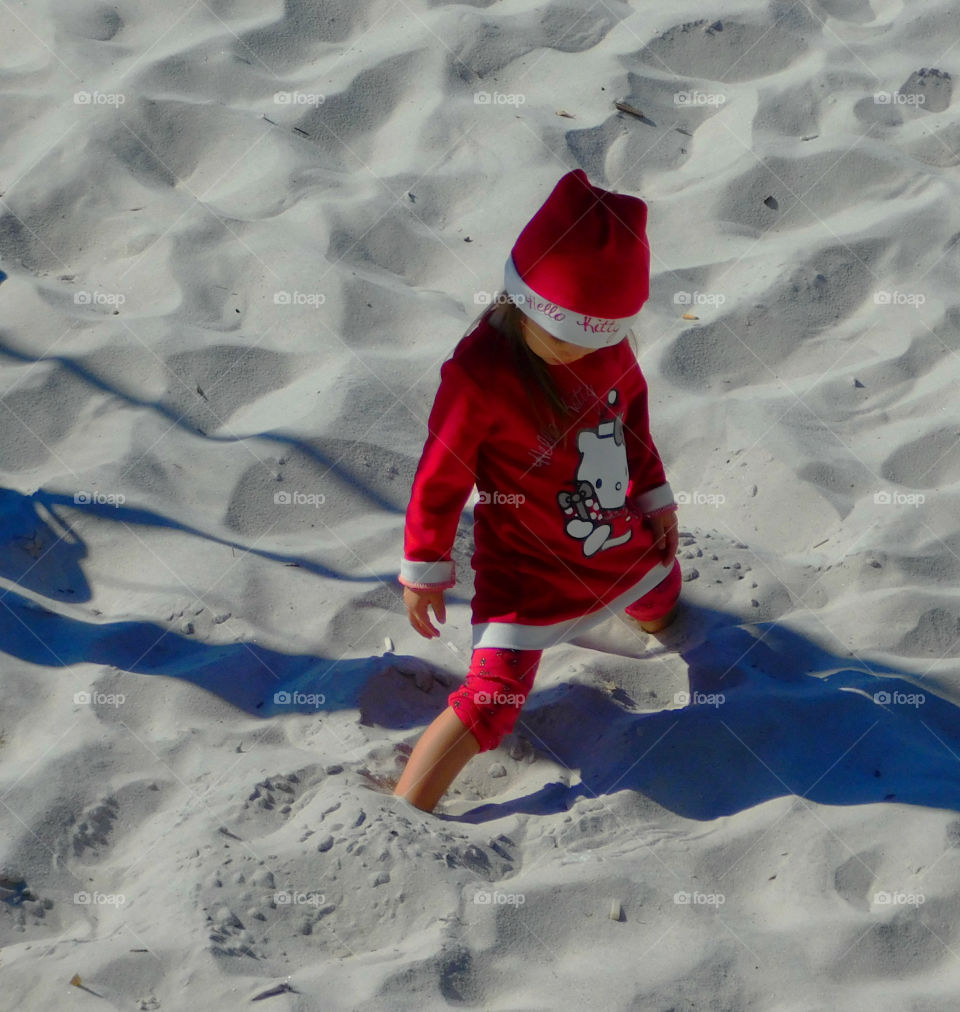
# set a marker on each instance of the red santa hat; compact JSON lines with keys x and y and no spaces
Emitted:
{"x":581,"y":266}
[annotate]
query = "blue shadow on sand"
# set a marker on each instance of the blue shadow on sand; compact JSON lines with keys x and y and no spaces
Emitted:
{"x":794,"y":720}
{"x":259,"y":680}
{"x":41,"y":554}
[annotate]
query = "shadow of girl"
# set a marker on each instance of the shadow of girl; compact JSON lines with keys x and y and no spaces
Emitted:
{"x":770,"y":714}
{"x":41,"y":554}
{"x":257,"y":679}
{"x":39,"y":550}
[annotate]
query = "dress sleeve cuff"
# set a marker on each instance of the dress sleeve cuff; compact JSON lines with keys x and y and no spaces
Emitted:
{"x":427,"y":575}
{"x":663,"y":509}
{"x":656,"y":500}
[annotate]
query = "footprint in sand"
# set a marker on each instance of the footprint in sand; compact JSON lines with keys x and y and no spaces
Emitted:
{"x":91,"y":836}
{"x":731,"y":50}
{"x":23,"y":910}
{"x":338,"y":857}
{"x":276,"y":798}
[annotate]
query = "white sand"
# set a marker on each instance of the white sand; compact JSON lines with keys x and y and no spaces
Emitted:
{"x":227,"y":843}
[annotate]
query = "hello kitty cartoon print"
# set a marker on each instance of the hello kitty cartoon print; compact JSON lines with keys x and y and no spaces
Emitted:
{"x":597,"y":512}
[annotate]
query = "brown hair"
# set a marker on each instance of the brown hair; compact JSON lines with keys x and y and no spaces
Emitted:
{"x":551,"y":410}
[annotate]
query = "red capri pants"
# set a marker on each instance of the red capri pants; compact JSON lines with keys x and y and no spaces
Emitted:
{"x":500,"y":679}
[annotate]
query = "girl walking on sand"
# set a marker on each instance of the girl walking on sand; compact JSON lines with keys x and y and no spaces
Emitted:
{"x":543,"y":407}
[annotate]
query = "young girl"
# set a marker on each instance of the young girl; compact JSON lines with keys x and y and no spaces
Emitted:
{"x":543,"y":407}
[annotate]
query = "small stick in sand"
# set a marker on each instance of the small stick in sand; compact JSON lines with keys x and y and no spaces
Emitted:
{"x":272,"y":992}
{"x":77,"y":981}
{"x":627,"y":108}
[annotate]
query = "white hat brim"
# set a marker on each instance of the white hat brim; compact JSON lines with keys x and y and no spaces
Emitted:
{"x":564,"y":324}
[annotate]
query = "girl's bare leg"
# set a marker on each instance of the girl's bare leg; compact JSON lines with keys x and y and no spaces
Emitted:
{"x":442,"y":751}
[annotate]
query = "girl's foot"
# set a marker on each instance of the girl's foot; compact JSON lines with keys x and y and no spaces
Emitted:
{"x":381,"y":782}
{"x":657,"y":624}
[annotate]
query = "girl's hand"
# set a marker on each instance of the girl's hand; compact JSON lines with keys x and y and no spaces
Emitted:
{"x":665,"y":534}
{"x":417,"y":602}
